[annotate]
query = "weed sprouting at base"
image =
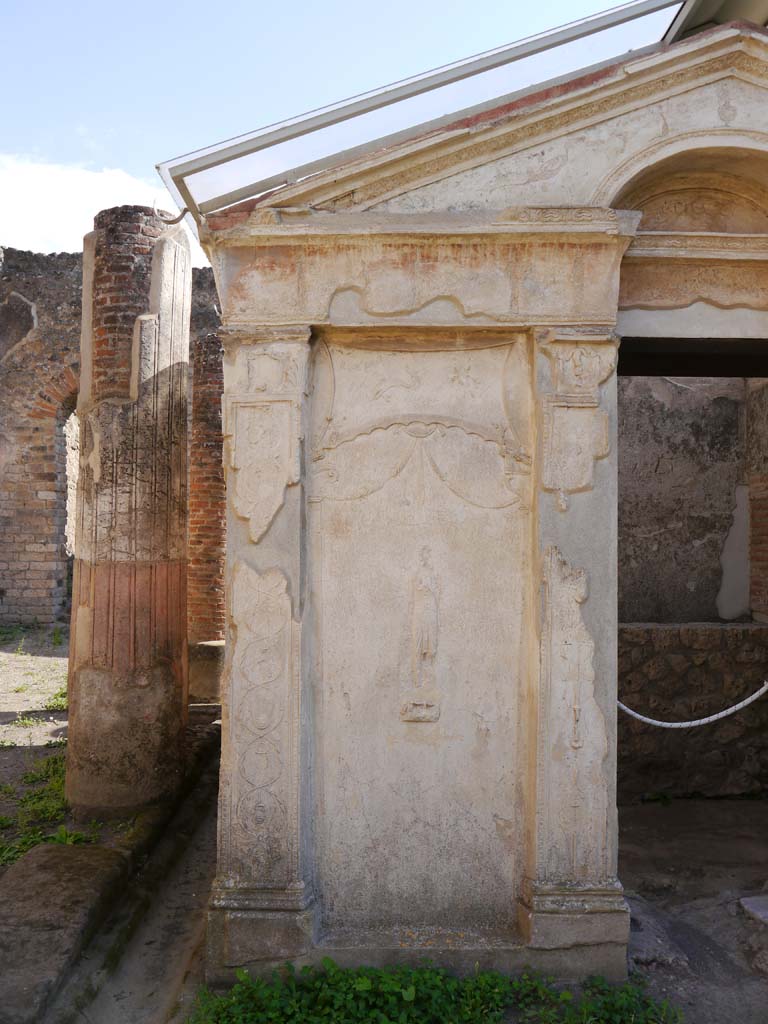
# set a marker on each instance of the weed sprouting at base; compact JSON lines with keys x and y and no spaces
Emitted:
{"x":424,"y":995}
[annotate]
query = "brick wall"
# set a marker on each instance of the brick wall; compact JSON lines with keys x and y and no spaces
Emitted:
{"x":682,"y":672}
{"x":207,"y":512}
{"x":39,"y":370}
{"x":40,"y":309}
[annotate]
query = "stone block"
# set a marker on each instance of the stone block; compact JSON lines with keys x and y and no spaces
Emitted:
{"x":206,"y":663}
{"x":50,"y":902}
{"x":256,"y":939}
{"x":756,"y":907}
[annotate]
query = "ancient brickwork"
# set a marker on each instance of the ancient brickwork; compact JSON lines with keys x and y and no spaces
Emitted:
{"x":683,"y":672}
{"x":128,"y":652}
{"x":40,"y":310}
{"x":207,"y":518}
{"x":39,"y":371}
{"x":121,"y":276}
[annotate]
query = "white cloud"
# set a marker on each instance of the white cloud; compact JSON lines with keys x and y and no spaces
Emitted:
{"x":46,"y":207}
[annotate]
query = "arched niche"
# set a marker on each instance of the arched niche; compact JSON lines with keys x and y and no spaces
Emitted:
{"x":698,"y":267}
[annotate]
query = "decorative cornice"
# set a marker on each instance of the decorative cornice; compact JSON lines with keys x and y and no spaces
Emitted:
{"x":697,"y":246}
{"x":234,"y":335}
{"x":519,"y":222}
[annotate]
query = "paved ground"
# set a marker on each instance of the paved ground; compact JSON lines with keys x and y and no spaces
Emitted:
{"x":33,"y":668}
{"x":33,"y":674}
{"x":145,"y":965}
{"x":685,"y":867}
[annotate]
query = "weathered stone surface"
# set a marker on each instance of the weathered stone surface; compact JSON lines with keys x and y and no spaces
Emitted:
{"x":687,"y":672}
{"x":396,"y":520}
{"x":681,"y":464}
{"x":206,"y":663}
{"x":50,"y":901}
{"x":422,"y":541}
{"x":756,"y":907}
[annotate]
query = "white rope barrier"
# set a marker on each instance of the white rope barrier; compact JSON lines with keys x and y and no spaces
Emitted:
{"x":697,"y":721}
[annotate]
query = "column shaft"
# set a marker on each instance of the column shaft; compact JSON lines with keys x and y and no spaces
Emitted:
{"x":128,"y":669}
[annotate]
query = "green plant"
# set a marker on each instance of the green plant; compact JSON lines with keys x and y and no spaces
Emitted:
{"x":46,"y":803}
{"x":5,"y":744}
{"x":56,"y":637}
{"x":6,"y":822}
{"x":24,"y":721}
{"x":42,"y":804}
{"x":63,"y":836}
{"x":20,"y":646}
{"x":422,"y":995}
{"x":10,"y":852}
{"x":61,"y":742}
{"x":58,"y":701}
{"x":21,"y":689}
{"x":46,"y":769}
{"x":6,"y":789}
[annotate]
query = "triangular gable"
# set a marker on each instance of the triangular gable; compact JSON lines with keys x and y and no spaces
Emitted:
{"x":575,"y":142}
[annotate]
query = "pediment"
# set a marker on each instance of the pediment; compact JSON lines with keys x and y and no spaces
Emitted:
{"x":581,"y":142}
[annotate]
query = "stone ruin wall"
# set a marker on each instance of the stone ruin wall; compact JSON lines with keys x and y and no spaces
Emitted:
{"x":693,"y":553}
{"x":693,"y":472}
{"x":40,"y":310}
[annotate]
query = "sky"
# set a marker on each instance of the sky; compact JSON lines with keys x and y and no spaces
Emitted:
{"x":97,"y":93}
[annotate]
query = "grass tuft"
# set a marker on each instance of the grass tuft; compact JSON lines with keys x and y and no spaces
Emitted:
{"x":58,"y":701}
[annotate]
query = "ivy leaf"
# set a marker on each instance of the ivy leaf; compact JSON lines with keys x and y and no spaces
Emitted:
{"x":409,"y":994}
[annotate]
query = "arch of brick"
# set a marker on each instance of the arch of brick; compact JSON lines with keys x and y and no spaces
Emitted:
{"x":40,"y":323}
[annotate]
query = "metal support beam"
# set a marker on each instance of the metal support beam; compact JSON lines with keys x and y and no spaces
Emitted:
{"x":173,"y":172}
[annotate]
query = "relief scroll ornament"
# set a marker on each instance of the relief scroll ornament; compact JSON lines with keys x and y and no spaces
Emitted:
{"x":264,"y":724}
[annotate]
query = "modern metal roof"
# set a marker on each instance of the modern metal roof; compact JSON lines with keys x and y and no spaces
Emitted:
{"x":281,"y":154}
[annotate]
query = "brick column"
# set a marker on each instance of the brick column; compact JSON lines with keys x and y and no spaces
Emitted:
{"x":128,"y":670}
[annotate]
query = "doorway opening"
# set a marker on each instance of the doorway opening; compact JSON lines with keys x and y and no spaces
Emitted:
{"x":693,"y":640}
{"x":67,"y":460}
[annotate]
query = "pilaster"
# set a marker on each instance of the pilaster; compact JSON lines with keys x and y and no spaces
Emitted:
{"x":261,"y":908}
{"x":570,"y":894}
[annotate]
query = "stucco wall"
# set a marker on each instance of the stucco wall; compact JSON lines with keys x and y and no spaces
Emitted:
{"x":683,"y":509}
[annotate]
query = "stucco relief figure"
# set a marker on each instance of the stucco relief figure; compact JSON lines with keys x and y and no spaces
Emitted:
{"x":425,"y":622}
{"x":577,"y":732}
{"x":421,"y":700}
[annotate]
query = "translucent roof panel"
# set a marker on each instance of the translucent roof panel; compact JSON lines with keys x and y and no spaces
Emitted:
{"x":264,"y":160}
